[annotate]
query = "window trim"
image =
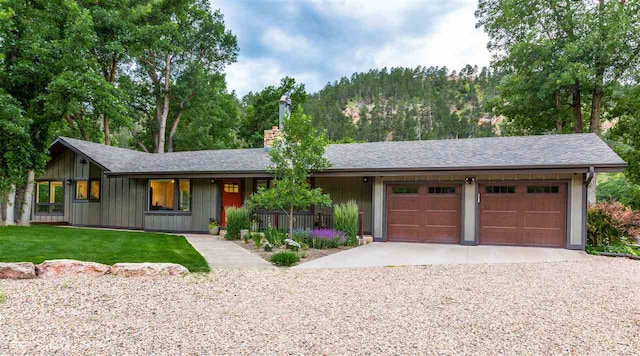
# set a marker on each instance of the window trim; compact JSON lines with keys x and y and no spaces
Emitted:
{"x":507,"y":192}
{"x":443,"y":190}
{"x":398,"y":190}
{"x":176,"y":198}
{"x":49,"y":205}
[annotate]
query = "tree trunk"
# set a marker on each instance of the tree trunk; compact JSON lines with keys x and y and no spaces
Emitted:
{"x":596,"y":104}
{"x":556,"y":99}
{"x":10,"y":206}
{"x":291,"y":223}
{"x":577,"y":107}
{"x":174,"y":128}
{"x":107,"y":130}
{"x":25,"y":209}
{"x":162,"y":116}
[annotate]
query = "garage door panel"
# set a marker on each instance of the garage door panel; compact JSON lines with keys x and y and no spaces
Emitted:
{"x":499,"y":219}
{"x":451,"y":204}
{"x":500,"y":204}
{"x":447,"y":219}
{"x":407,"y":218}
{"x":500,"y":235}
{"x":441,"y":234}
{"x":543,"y":220}
{"x":542,"y":237}
{"x":405,"y":204}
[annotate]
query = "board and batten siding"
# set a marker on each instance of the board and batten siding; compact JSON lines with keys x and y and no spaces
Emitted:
{"x":60,"y":168}
{"x":85,"y":213}
{"x":123,"y":202}
{"x":204,"y":206}
{"x":343,"y":189}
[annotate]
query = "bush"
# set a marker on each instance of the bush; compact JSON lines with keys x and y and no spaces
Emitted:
{"x":284,"y":258}
{"x":345,"y":219}
{"x":302,"y":236}
{"x":326,"y":238}
{"x":612,"y":223}
{"x":257,"y":239}
{"x":616,"y":186}
{"x":237,"y":219}
{"x":274,"y":236}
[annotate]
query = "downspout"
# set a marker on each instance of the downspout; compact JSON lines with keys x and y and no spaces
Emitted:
{"x":590,"y":176}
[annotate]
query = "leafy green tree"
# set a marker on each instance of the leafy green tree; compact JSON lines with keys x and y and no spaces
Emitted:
{"x":176,"y":39}
{"x":294,"y":157}
{"x":261,"y":109}
{"x":41,"y":44}
{"x":616,"y":186}
{"x":556,"y":54}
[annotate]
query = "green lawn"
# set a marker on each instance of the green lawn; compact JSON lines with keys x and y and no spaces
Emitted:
{"x":38,"y":243}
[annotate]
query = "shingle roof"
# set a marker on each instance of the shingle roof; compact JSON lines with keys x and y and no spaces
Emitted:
{"x":521,"y":152}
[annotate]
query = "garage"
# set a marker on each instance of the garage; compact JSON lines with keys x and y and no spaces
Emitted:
{"x":424,"y":212}
{"x":523,"y":214}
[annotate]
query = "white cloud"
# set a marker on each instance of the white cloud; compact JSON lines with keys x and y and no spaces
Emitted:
{"x":288,"y":43}
{"x":454,"y":43}
{"x":374,"y":13}
{"x":253,"y":74}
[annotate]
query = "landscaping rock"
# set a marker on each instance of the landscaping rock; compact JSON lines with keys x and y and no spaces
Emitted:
{"x":67,"y":268}
{"x":148,"y":269}
{"x":19,"y":270}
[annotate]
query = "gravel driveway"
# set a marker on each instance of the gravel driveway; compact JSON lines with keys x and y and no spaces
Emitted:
{"x":590,"y":306}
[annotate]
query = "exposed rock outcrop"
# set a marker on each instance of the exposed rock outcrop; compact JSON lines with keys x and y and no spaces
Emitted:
{"x":18,"y":270}
{"x":69,"y":268}
{"x":148,"y":269}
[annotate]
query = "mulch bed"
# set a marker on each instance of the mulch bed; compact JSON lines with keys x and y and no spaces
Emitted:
{"x":305,"y":255}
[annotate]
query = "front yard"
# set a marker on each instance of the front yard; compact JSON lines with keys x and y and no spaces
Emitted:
{"x":586,"y":307}
{"x":38,"y":243}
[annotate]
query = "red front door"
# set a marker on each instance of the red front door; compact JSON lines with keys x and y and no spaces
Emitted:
{"x":231,"y":196}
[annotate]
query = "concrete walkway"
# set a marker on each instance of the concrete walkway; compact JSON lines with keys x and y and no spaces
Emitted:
{"x":224,"y":254}
{"x":380,"y":254}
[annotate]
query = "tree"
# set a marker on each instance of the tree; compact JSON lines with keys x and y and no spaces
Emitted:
{"x":175,"y":39}
{"x":40,"y":43}
{"x":261,"y":109}
{"x":294,"y":157}
{"x":554,"y":52}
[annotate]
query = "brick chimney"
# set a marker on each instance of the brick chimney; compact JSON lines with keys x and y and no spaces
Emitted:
{"x":270,"y":136}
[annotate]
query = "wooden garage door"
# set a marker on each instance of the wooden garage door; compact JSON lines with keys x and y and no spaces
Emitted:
{"x":524,"y":214}
{"x":424,"y":213}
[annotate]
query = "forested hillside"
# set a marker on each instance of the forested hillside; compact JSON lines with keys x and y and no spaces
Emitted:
{"x":406,"y":104}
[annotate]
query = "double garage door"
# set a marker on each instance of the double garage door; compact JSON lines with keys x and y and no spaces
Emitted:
{"x":519,"y":214}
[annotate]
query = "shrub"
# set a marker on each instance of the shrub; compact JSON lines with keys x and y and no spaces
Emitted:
{"x":616,"y":186}
{"x":302,"y":236}
{"x":326,"y":238}
{"x":612,"y":223}
{"x":257,"y":239}
{"x":237,"y":219}
{"x":292,"y":245}
{"x":274,"y":236}
{"x":284,"y":258}
{"x":345,"y":219}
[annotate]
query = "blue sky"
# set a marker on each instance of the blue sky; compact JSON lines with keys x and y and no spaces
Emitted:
{"x":320,"y":41}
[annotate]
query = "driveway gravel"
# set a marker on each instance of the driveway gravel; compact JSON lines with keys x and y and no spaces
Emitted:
{"x":590,"y":306}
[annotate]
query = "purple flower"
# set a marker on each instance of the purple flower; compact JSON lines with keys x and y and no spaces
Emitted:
{"x":327,"y":234}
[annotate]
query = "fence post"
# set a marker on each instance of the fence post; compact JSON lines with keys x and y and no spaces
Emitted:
{"x":275,"y":219}
{"x":360,"y":227}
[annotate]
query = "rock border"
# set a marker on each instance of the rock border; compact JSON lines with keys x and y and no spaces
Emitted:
{"x":62,"y":268}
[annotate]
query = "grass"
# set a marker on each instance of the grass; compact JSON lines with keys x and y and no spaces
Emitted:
{"x":39,"y":243}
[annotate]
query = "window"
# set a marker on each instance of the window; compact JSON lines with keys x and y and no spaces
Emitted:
{"x":94,"y":190}
{"x":405,"y":190}
{"x":262,"y":183}
{"x":231,"y":188}
{"x":500,"y":189}
{"x":82,"y":189}
{"x":166,"y":195}
{"x":553,"y":189}
{"x":442,"y":190}
{"x":49,"y":197}
{"x":88,"y":190}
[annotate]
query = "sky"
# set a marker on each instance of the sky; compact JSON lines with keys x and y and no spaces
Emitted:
{"x":317,"y":42}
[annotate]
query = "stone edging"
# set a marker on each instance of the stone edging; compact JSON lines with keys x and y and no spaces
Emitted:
{"x":71,"y":268}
